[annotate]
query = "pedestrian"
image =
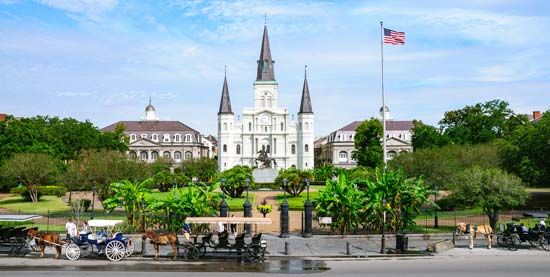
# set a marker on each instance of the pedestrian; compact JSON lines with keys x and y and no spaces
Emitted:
{"x":84,"y":229}
{"x":71,"y":229}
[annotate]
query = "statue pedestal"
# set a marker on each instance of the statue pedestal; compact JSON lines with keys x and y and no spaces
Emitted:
{"x":264,"y":175}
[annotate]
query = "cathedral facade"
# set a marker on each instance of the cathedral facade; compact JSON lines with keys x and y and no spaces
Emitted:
{"x":266,"y":126}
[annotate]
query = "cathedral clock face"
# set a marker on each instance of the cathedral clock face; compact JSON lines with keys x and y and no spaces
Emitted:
{"x":264,"y":119}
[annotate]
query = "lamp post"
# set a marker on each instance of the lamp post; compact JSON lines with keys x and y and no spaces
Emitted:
{"x":247,"y":207}
{"x":383,"y":242}
{"x":308,"y":213}
{"x":436,"y":220}
{"x":284,"y":212}
{"x":94,"y":191}
{"x":223,"y":204}
{"x":143,"y":206}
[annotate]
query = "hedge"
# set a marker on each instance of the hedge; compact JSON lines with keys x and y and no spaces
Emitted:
{"x":58,"y":191}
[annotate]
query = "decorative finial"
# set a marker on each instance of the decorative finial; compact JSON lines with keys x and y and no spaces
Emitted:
{"x":225,"y":71}
{"x":265,"y":19}
{"x":305,"y":70}
{"x":149,"y":99}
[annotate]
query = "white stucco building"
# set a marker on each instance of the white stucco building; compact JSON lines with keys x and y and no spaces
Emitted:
{"x":267,"y":124}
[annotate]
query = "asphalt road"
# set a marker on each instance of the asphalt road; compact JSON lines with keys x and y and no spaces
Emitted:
{"x":486,"y":266}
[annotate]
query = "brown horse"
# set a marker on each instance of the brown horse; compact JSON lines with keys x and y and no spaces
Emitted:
{"x":158,"y":239}
{"x":46,"y":239}
{"x":472,"y":231}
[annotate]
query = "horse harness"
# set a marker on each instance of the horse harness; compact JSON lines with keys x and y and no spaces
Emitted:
{"x":467,"y":231}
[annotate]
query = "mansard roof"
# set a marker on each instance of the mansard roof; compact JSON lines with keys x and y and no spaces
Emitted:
{"x":151,"y":126}
{"x":391,"y":125}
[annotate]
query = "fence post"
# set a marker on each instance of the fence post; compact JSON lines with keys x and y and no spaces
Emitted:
{"x":287,"y":250}
{"x":348,"y":248}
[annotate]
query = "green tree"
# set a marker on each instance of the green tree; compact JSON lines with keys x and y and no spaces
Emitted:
{"x":235,"y":180}
{"x":165,"y":180}
{"x":325,"y":172}
{"x":295,"y":180}
{"x":491,"y":189}
{"x":32,"y":170}
{"x":426,"y":136}
{"x":343,"y":202}
{"x":368,"y":138}
{"x":131,"y":197}
{"x":480,"y":123}
{"x":204,"y":169}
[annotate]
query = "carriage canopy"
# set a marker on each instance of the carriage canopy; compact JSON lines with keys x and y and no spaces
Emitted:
{"x":104,"y":223}
{"x":228,"y":220}
{"x":18,"y":217}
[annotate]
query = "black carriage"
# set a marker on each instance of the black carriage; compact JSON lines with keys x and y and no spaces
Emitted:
{"x":244,"y":246}
{"x":13,"y":239}
{"x":514,"y":233}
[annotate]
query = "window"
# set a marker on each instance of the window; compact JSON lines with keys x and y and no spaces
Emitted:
{"x":300,"y":125}
{"x":155,"y":137}
{"x":177,"y":138}
{"x":269,"y":102}
{"x":177,"y":155}
{"x":282,"y":127}
{"x":263,"y":101}
{"x":188,"y":138}
{"x":225,"y":126}
{"x":144,"y":156}
{"x":166,"y":154}
{"x":154,"y":155}
{"x":392,"y":154}
{"x":293,"y":149}
{"x":166,"y":138}
{"x":274,"y":145}
{"x":224,"y":148}
{"x":133,"y":155}
{"x":188,"y":155}
{"x":306,"y":148}
{"x":256,"y":145}
{"x":265,"y":129}
{"x":307,"y":126}
{"x":143,"y":136}
{"x":343,"y":157}
{"x":250,"y":126}
{"x":238,"y":151}
{"x":132,"y":137}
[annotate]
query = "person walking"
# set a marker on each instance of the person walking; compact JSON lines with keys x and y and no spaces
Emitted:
{"x":70,"y":227}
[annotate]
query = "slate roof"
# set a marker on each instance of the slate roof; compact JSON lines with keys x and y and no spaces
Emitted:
{"x":151,"y":126}
{"x":265,"y":74}
{"x":305,"y":105}
{"x":225,"y":102}
{"x":391,"y":125}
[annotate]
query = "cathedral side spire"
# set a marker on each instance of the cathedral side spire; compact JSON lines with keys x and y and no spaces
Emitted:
{"x":305,"y":105}
{"x":265,"y":63}
{"x":225,"y":103}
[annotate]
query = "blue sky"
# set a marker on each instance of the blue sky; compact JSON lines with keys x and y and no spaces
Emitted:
{"x":101,"y":60}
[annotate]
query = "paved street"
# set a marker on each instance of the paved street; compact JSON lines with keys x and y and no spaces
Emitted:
{"x":487,"y":266}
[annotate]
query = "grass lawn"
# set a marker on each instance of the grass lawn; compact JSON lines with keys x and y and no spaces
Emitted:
{"x":47,"y":202}
{"x":297,"y":203}
{"x":236,"y":204}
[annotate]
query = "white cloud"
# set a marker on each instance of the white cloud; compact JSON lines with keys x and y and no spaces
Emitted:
{"x":92,"y":9}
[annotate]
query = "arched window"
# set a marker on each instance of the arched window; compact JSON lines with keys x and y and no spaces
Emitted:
{"x":306,"y":148}
{"x":132,"y":137}
{"x":238,"y":149}
{"x":307,"y":126}
{"x":250,"y":126}
{"x":225,"y":126}
{"x":154,"y":155}
{"x":144,"y":156}
{"x":155,"y":137}
{"x":269,"y":101}
{"x":133,"y":155}
{"x":343,"y":157}
{"x":166,"y":154}
{"x":188,"y":155}
{"x":392,"y":154}
{"x":224,"y":148}
{"x":282,"y":127}
{"x":265,"y":66}
{"x":293,"y":149}
{"x":177,"y":155}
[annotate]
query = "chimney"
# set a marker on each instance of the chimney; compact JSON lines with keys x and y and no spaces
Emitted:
{"x":536,"y":115}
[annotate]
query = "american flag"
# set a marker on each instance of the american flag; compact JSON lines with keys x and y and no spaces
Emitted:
{"x":393,"y":37}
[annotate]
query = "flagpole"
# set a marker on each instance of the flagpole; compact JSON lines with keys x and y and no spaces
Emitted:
{"x":383,"y":102}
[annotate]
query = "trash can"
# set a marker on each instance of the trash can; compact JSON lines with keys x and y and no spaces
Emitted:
{"x":401,"y":242}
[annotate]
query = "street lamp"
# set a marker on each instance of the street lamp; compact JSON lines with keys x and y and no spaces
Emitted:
{"x":284,"y":212}
{"x":247,"y":207}
{"x":436,"y":220}
{"x":308,"y":211}
{"x":383,"y":242}
{"x":223,"y":204}
{"x":94,"y":191}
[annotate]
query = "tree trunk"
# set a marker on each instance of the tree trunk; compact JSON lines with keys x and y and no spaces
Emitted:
{"x":493,"y":218}
{"x":33,"y":193}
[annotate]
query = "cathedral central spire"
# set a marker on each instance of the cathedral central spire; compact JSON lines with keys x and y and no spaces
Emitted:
{"x":225,"y":102}
{"x":265,"y":63}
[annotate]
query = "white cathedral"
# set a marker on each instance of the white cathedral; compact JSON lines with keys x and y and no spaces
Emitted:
{"x":266,"y":126}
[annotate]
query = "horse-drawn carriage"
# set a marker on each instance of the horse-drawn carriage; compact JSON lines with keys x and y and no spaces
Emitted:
{"x":513,"y":234}
{"x":104,"y":239}
{"x":13,"y":239}
{"x":246,"y":246}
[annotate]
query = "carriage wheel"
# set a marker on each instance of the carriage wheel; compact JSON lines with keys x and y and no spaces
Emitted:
{"x":115,"y":250}
{"x":202,"y":250}
{"x":514,"y":242}
{"x":546,"y":243}
{"x":129,"y":248}
{"x":191,"y":252}
{"x":502,"y":240}
{"x":253,"y":253}
{"x":72,"y":252}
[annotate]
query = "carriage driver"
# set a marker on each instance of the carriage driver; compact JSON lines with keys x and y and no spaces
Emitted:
{"x":186,"y":231}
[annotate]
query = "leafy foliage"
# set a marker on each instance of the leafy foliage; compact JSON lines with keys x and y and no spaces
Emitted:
{"x":491,"y":189}
{"x":235,"y":180}
{"x":130,"y":196}
{"x":204,"y":169}
{"x":295,"y":180}
{"x":165,"y":180}
{"x":325,"y":172}
{"x":426,"y":136}
{"x":32,"y":170}
{"x":368,"y":138}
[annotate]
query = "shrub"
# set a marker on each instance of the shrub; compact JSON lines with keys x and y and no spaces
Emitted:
{"x":58,"y":191}
{"x":447,"y":204}
{"x":86,"y":204}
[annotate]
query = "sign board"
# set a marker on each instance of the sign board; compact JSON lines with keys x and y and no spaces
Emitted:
{"x":325,"y":220}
